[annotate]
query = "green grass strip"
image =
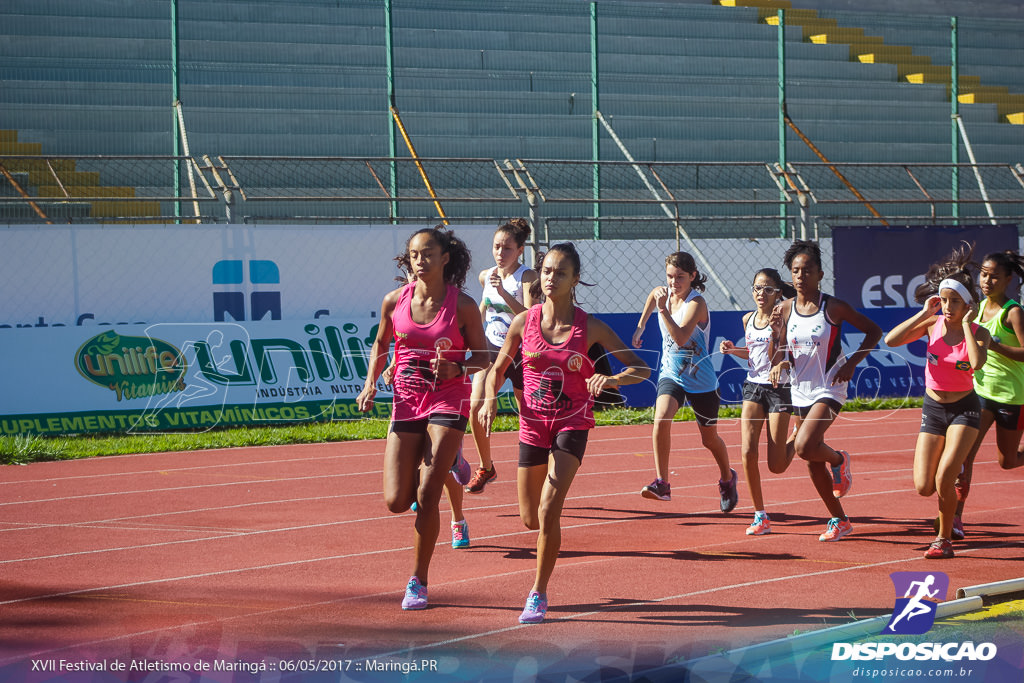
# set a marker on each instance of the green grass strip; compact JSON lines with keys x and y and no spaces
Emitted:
{"x":21,"y":450}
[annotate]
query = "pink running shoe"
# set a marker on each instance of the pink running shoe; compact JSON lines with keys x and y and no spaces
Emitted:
{"x":415,"y":595}
{"x":962,"y":486}
{"x":837,"y":528}
{"x":940,"y":549}
{"x":842,"y":476}
{"x":536,"y":608}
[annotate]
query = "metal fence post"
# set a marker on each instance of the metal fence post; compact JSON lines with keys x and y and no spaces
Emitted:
{"x":782,"y":113}
{"x":595,"y":129}
{"x":954,"y":105}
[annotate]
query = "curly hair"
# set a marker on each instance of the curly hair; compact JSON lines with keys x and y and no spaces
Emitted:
{"x":808,"y":247}
{"x":957,"y":266}
{"x":459,"y":257}
{"x":684,"y":261}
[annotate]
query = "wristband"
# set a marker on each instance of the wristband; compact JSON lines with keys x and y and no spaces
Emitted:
{"x":462,"y":368}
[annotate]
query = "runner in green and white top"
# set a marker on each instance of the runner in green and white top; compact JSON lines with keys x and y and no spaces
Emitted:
{"x":1000,"y":382}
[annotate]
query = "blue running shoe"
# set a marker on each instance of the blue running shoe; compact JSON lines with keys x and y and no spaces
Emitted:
{"x":460,"y":534}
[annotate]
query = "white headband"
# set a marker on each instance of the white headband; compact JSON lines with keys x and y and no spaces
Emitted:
{"x":957,"y":287}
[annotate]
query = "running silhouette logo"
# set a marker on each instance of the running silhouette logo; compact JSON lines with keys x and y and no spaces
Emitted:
{"x":918,"y":595}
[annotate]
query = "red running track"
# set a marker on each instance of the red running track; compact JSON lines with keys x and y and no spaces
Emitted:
{"x":288,"y":553}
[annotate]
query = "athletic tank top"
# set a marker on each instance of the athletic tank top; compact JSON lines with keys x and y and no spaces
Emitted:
{"x":759,"y":364}
{"x":688,"y":366}
{"x":815,"y":351}
{"x":417,"y":392}
{"x":555,"y":375}
{"x":1000,"y":378}
{"x":948,"y":367}
{"x":497,"y":314}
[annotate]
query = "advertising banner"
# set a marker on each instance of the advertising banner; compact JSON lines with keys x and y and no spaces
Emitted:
{"x":881,"y":266}
{"x":170,"y":376}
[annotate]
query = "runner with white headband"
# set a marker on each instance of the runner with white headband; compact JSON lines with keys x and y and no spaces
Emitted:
{"x":965,"y":294}
{"x":957,"y":348}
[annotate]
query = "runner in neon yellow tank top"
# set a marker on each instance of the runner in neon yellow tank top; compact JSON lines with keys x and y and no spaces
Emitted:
{"x":1000,"y":383}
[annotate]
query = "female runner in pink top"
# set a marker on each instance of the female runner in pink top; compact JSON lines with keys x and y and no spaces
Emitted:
{"x":957,"y":347}
{"x":559,"y":386}
{"x":434,"y":325}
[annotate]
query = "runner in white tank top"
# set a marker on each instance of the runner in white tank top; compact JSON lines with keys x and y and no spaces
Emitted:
{"x":815,"y":350}
{"x":763,"y":403}
{"x":497,"y":313}
{"x":814,"y":368}
{"x":506,"y":294}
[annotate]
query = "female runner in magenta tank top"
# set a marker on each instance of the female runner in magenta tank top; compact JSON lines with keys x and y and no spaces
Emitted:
{"x":434,"y":325}
{"x":951,"y":412}
{"x":819,"y":375}
{"x":1000,"y":382}
{"x":559,"y":386}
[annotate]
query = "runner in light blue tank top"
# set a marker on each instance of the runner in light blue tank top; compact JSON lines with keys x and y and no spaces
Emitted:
{"x":687,"y":375}
{"x":689,"y":365}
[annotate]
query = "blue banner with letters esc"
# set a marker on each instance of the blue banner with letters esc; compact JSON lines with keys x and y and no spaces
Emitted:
{"x":881,"y":266}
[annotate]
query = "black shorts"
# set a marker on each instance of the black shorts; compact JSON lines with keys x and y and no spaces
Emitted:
{"x":937,"y":417}
{"x":571,"y":441}
{"x":772,"y":399}
{"x":514,"y":372}
{"x":704,"y":405}
{"x":803,"y":411}
{"x":450,"y":420}
{"x":1007,"y":415}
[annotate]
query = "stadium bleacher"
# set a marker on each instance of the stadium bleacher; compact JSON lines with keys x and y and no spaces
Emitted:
{"x":679,"y":81}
